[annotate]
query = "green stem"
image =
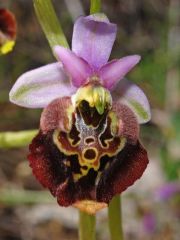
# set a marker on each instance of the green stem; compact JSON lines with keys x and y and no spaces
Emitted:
{"x":115,"y":219}
{"x":86,"y":226}
{"x":95,"y":6}
{"x":49,"y":23}
{"x":16,"y":139}
{"x":12,"y":197}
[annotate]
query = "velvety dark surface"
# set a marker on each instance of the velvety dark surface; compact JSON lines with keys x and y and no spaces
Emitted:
{"x":56,"y":166}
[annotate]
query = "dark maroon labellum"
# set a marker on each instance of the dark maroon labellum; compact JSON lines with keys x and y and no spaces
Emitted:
{"x":80,"y":154}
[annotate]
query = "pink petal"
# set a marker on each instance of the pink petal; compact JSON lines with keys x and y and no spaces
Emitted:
{"x":115,"y":70}
{"x":93,"y":38}
{"x":37,"y":88}
{"x":76,"y":67}
{"x":131,"y":95}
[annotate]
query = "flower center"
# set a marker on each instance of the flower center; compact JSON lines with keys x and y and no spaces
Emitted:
{"x":95,"y":95}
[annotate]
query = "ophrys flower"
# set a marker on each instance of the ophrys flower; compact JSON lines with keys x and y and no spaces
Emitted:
{"x":87,"y":149}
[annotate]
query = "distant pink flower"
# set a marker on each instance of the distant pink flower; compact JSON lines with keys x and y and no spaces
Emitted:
{"x":87,"y":149}
{"x":149,"y":223}
{"x":167,"y":191}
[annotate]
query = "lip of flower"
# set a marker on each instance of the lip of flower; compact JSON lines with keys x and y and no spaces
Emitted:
{"x":87,"y":147}
{"x":8,"y":29}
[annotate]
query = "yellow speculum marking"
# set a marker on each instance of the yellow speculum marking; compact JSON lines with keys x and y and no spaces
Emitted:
{"x":93,"y":163}
{"x":89,"y":140}
{"x":71,"y":141}
{"x":84,"y":162}
{"x":69,"y":112}
{"x":114,"y":122}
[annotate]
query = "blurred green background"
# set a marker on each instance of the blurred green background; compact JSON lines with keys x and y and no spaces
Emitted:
{"x":149,"y":28}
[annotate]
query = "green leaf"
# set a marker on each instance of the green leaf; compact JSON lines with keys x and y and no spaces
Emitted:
{"x":16,"y":139}
{"x":49,"y":23}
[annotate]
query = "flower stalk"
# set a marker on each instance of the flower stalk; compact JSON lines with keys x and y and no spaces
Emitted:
{"x":50,"y":23}
{"x":16,"y":139}
{"x":12,"y":197}
{"x":115,"y":219}
{"x":86,"y":226}
{"x":95,"y":6}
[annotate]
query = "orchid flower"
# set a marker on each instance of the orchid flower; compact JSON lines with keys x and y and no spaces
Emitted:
{"x":87,"y":149}
{"x":8,"y":30}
